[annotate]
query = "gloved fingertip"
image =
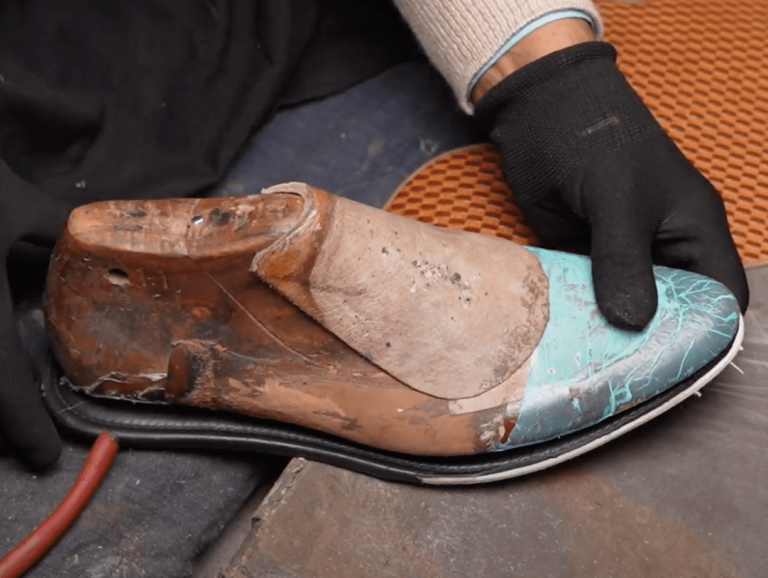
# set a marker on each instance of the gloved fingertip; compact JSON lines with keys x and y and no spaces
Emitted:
{"x":626,"y":295}
{"x":37,"y":443}
{"x":44,"y":455}
{"x":630,"y":311}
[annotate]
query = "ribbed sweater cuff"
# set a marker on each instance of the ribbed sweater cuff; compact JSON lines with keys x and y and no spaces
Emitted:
{"x":463,"y":36}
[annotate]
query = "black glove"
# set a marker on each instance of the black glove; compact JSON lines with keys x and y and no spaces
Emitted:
{"x":25,"y":426}
{"x":595,"y":173}
{"x":26,"y":429}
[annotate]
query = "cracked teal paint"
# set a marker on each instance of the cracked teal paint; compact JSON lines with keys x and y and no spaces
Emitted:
{"x":584,"y":371}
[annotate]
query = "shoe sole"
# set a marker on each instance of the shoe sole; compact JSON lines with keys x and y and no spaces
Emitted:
{"x":181,"y":428}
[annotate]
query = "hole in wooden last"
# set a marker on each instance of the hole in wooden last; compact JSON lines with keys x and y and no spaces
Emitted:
{"x":117,"y":277}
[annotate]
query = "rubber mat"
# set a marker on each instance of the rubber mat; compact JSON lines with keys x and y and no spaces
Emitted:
{"x":702,"y":68}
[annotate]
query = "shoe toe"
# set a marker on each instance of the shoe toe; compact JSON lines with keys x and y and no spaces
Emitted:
{"x":584,"y":371}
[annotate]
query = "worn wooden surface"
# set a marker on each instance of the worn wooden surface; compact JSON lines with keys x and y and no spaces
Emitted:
{"x":684,"y":496}
{"x":302,"y":307}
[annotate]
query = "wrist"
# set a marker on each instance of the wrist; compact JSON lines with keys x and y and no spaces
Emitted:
{"x":541,"y":42}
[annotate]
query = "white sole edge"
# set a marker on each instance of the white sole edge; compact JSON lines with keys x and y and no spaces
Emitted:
{"x":543,"y":465}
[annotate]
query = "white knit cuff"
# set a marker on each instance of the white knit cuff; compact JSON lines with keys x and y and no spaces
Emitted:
{"x":461,"y":37}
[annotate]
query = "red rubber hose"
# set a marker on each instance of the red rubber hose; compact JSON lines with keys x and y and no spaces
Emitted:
{"x":30,"y":550}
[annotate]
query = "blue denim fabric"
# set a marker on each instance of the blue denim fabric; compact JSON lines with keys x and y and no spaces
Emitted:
{"x":360,"y":144}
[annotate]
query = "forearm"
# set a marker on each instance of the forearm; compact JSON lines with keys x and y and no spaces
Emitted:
{"x":463,"y":38}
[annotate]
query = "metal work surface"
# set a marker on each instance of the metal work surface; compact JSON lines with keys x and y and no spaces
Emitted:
{"x":683,"y":496}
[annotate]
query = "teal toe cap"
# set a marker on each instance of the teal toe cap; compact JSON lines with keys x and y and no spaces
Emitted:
{"x":584,"y":371}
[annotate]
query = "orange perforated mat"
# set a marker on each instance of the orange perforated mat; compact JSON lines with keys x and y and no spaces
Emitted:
{"x":700,"y":65}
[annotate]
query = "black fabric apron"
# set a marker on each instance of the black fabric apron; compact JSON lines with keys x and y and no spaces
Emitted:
{"x":148,"y":98}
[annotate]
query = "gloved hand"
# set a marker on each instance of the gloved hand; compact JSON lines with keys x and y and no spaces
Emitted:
{"x":595,"y":173}
{"x":26,"y":429}
{"x":25,"y":426}
{"x":30,"y":429}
